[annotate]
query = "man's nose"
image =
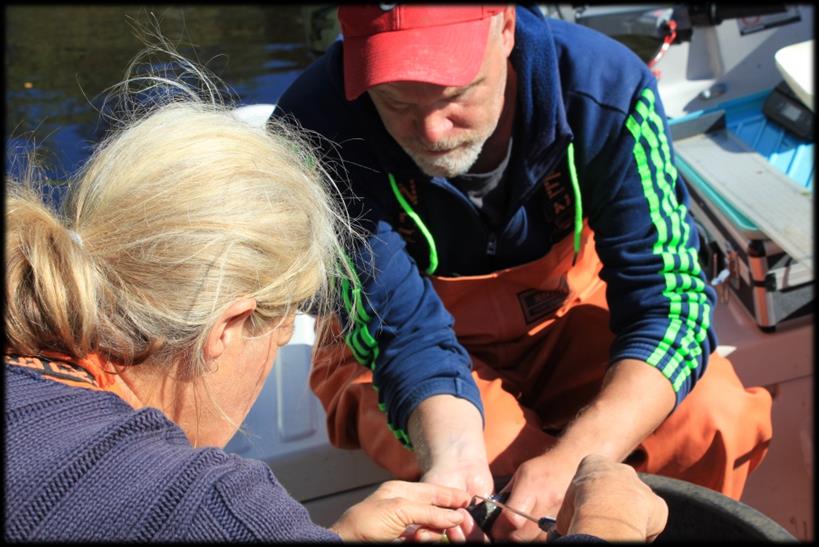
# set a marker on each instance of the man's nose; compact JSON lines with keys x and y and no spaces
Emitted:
{"x":433,"y":126}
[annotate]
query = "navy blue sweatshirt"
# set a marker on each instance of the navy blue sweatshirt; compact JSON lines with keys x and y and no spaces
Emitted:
{"x":575,"y":86}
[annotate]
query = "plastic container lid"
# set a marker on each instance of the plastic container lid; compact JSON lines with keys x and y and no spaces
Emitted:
{"x":795,"y":62}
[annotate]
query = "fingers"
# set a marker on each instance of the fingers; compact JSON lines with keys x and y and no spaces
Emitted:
{"x":408,"y":512}
{"x":430,"y":536}
{"x":468,"y":530}
{"x":536,"y":488}
{"x":444,"y":479}
{"x":472,"y":476}
{"x":480,"y":483}
{"x":566,"y":512}
{"x":396,"y":506}
{"x":607,"y":499}
{"x":515,"y":527}
{"x":658,"y":519}
{"x":434,"y":494}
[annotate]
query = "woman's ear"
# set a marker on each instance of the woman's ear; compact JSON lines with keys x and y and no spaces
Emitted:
{"x":229,"y":327}
{"x":285,"y":331}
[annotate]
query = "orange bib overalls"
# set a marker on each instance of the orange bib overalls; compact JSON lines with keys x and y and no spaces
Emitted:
{"x":539,"y":340}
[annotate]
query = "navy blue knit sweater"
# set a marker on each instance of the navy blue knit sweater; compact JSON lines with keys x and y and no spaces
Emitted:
{"x":83,"y":465}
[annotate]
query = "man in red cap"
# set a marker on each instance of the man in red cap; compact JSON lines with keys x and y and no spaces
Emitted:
{"x":530,"y":290}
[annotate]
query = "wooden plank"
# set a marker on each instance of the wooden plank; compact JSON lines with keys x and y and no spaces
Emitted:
{"x":781,"y":209}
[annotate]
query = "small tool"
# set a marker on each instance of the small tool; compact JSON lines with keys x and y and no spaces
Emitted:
{"x":547,"y":524}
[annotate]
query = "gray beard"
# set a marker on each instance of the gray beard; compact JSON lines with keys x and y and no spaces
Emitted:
{"x":451,"y":165}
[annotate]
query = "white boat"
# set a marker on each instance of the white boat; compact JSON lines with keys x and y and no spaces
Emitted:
{"x":723,"y":62}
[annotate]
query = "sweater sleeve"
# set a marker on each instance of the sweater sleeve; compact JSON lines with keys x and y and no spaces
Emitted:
{"x":578,"y":538}
{"x":661,"y":305}
{"x":247,"y":503}
{"x":403,"y":332}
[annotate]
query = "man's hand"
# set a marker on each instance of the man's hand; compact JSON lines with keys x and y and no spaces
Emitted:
{"x":447,"y":433}
{"x":608,"y":500}
{"x":472,"y":476}
{"x":635,"y":398}
{"x":537,"y":488}
{"x":467,"y":473}
{"x":428,"y":510}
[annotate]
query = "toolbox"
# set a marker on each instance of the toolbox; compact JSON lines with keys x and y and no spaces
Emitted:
{"x":751,"y":186}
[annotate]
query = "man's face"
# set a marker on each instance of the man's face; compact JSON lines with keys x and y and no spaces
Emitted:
{"x":443,"y":129}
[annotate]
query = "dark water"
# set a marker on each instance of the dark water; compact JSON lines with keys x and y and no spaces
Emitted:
{"x":59,"y":59}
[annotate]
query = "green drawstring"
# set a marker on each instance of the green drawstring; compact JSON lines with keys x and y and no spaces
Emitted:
{"x":433,"y":250}
{"x":578,"y":204}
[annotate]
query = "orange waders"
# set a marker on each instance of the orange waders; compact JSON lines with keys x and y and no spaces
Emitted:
{"x":539,"y":340}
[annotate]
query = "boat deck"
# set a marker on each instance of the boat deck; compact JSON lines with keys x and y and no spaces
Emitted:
{"x":781,"y":361}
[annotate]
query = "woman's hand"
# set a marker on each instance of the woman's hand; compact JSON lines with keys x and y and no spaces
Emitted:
{"x":472,"y":476}
{"x":396,"y":505}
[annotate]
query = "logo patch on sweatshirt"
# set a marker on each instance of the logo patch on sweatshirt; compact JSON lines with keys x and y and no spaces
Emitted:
{"x":558,"y":204}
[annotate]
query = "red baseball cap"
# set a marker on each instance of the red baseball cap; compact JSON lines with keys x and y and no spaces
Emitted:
{"x":435,"y":44}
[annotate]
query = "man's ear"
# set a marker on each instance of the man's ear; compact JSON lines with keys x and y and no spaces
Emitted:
{"x":229,"y":326}
{"x":508,"y":29}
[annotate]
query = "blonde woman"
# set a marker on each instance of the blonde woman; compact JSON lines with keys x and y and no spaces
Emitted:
{"x":141,"y":324}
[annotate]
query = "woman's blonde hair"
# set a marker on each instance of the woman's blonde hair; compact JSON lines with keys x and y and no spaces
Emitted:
{"x":177,"y":214}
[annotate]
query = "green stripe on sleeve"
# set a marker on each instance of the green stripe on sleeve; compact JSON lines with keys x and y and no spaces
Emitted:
{"x":683,"y":288}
